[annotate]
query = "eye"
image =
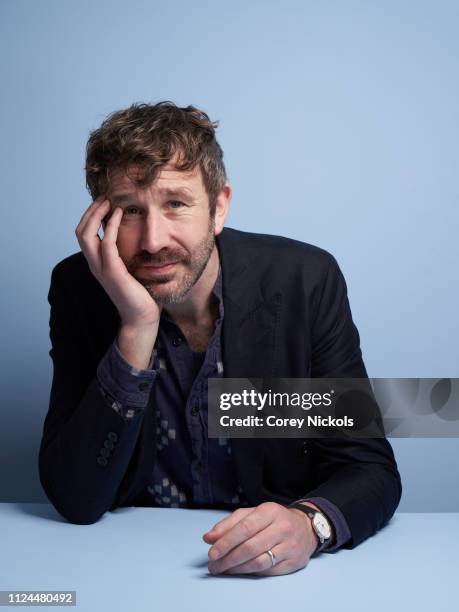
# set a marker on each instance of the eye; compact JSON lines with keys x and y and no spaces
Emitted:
{"x":126,"y":210}
{"x":175,"y":204}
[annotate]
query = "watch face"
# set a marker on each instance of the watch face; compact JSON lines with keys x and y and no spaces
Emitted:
{"x":322,"y":526}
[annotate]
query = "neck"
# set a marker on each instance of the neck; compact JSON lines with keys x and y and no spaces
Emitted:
{"x":200,"y":304}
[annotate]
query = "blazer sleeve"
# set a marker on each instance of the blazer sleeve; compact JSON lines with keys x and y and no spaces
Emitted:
{"x":359,"y":476}
{"x":86,"y":444}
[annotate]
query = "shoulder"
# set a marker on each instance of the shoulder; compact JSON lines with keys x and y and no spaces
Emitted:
{"x":72,"y":263}
{"x":277,"y":253}
{"x":73,"y":272}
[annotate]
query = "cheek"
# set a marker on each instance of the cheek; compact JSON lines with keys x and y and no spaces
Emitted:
{"x":188,"y":239}
{"x":127,"y":241}
{"x":197,"y":228}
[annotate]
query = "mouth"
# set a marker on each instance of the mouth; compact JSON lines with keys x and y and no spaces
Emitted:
{"x":160,"y":269}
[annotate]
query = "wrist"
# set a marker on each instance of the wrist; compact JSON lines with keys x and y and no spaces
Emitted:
{"x":332,"y":528}
{"x":308,"y":525}
{"x":143,"y":325}
{"x":319,"y":524}
{"x":136,"y":344}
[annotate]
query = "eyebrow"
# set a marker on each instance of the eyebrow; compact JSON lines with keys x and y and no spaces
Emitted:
{"x":130,"y":198}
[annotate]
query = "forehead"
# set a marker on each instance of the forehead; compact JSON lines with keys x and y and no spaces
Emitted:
{"x":168,"y":176}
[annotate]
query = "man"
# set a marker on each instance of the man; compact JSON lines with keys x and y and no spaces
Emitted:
{"x":169,"y":298}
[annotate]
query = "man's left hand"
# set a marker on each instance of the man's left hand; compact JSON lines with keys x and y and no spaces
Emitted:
{"x":241,"y":540}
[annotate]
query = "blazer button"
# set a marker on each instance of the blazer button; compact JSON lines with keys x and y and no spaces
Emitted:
{"x":305,"y":448}
{"x":112,"y":436}
{"x":102,"y":461}
{"x":109,"y":444}
{"x":105,"y":452}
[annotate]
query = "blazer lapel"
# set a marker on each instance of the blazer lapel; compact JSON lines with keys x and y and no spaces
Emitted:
{"x":250,"y":325}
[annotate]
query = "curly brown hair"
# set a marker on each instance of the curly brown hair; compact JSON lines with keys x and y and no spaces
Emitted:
{"x":148,"y":136}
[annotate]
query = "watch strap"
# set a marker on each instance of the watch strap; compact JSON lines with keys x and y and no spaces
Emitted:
{"x":311,"y":512}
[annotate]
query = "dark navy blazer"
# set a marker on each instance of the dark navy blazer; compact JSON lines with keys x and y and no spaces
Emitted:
{"x":286,"y":315}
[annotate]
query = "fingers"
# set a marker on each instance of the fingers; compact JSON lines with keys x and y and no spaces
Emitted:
{"x":245,"y":528}
{"x":262,"y":564}
{"x":251,"y":555}
{"x":108,"y":247}
{"x":222,"y":526}
{"x":101,"y":254}
{"x":87,"y":233}
{"x":92,"y":208}
{"x":244,"y":540}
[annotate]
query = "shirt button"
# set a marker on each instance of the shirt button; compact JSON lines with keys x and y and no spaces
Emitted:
{"x":194,"y":410}
{"x":143,"y":386}
{"x":177,"y":341}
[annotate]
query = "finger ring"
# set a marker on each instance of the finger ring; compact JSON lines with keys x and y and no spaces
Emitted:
{"x":272,"y":557}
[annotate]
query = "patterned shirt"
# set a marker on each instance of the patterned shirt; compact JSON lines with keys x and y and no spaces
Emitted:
{"x":191,"y":469}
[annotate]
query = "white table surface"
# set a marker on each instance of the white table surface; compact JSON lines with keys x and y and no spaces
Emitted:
{"x":137,"y":559}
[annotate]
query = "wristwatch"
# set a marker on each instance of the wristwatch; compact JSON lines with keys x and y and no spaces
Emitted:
{"x":319,"y":523}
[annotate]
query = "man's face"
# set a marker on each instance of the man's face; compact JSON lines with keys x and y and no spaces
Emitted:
{"x":166,"y":226}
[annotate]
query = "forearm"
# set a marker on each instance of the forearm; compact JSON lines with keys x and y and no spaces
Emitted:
{"x":81,"y":466}
{"x":136,"y":344}
{"x":81,"y":482}
{"x":94,"y":419}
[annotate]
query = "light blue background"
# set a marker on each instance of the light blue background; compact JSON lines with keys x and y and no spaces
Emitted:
{"x":339,"y":122}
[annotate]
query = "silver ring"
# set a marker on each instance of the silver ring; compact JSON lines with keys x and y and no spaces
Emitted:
{"x":272,"y":557}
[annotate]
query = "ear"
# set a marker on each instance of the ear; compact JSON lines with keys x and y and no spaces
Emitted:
{"x":222,"y":207}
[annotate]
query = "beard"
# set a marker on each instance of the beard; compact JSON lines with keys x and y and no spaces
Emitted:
{"x":172,"y":287}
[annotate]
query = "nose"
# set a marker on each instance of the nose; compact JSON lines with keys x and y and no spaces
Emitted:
{"x":155,"y":233}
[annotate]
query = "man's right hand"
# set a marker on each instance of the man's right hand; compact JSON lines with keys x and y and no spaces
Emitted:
{"x":135,"y":305}
{"x":138,"y":311}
